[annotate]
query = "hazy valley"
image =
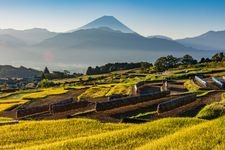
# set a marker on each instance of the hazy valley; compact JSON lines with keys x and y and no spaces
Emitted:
{"x":105,"y":37}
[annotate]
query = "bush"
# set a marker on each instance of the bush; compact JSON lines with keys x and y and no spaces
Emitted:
{"x":46,"y":83}
{"x":95,"y":92}
{"x":212,"y":111}
{"x":123,"y":89}
{"x":44,"y":93}
{"x":191,"y":86}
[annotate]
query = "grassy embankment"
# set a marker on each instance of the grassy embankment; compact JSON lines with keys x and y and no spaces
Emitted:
{"x":168,"y":133}
{"x":5,"y":119}
{"x":89,"y":134}
{"x":191,"y":86}
{"x":106,"y":90}
{"x":207,"y":135}
{"x":213,"y":110}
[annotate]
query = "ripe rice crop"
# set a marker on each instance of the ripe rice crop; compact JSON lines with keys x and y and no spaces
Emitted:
{"x":191,"y":86}
{"x":45,"y":93}
{"x":22,"y":97}
{"x":106,"y":90}
{"x":88,"y":134}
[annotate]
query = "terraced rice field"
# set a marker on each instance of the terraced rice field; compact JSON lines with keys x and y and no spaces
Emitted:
{"x":169,"y":133}
{"x":21,"y":97}
{"x":86,"y":134}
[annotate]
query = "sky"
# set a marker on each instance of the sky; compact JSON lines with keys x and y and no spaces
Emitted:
{"x":173,"y":18}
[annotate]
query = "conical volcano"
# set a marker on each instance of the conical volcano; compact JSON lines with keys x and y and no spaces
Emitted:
{"x":109,"y":22}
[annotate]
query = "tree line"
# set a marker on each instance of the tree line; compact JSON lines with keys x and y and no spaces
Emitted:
{"x":165,"y":63}
{"x":58,"y":75}
{"x":161,"y":64}
{"x":110,"y":67}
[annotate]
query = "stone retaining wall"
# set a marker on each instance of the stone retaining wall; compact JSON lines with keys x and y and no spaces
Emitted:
{"x":56,"y":108}
{"x":175,"y":103}
{"x":23,"y":112}
{"x":101,"y":106}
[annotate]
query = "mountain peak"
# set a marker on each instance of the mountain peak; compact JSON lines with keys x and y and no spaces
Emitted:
{"x":105,"y":16}
{"x":160,"y":37}
{"x":109,"y":22}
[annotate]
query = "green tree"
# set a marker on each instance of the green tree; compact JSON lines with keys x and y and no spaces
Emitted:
{"x":46,"y":71}
{"x":89,"y":71}
{"x":45,"y":83}
{"x":164,"y":63}
{"x":188,"y":60}
{"x":160,"y":64}
{"x":202,"y":60}
{"x":218,"y":57}
{"x":66,"y":72}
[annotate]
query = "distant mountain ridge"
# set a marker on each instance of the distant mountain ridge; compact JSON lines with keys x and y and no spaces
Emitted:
{"x":212,"y":40}
{"x":101,"y":41}
{"x":106,"y":38}
{"x":8,"y":40}
{"x":29,"y":36}
{"x":7,"y":71}
{"x":160,"y":37}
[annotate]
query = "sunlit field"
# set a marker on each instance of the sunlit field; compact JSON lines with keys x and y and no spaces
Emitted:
{"x":22,"y":97}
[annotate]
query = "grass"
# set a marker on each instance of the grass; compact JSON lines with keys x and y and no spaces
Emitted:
{"x":43,"y":94}
{"x":123,"y":89}
{"x":207,"y":135}
{"x":223,"y":97}
{"x":213,"y":110}
{"x":34,"y":133}
{"x":168,"y":133}
{"x":94,"y":92}
{"x":10,"y":100}
{"x":202,"y":93}
{"x":7,"y":106}
{"x":5,"y":119}
{"x":191,"y":86}
{"x":144,"y":115}
{"x":133,"y":80}
{"x":3,"y":95}
{"x":77,"y":79}
{"x":76,"y":87}
{"x":88,"y":134}
{"x":83,"y":113}
{"x":17,"y":94}
{"x":22,"y":97}
{"x":106,"y":90}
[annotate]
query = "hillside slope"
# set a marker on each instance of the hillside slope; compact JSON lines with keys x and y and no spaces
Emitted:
{"x":208,"y":135}
{"x":88,"y":134}
{"x":29,"y":36}
{"x":7,"y":71}
{"x":107,"y":39}
{"x":212,"y":40}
